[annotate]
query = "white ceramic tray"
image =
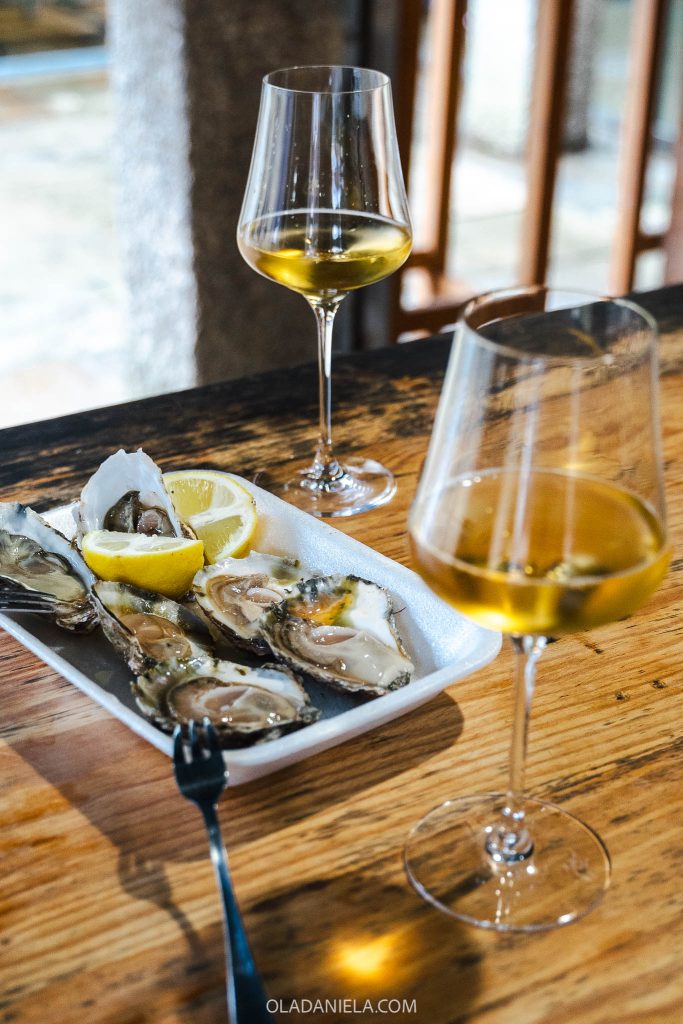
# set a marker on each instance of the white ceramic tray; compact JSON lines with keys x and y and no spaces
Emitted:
{"x":443,"y":644}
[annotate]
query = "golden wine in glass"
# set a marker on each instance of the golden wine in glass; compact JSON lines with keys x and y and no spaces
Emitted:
{"x":352,"y":250}
{"x":325,"y":212}
{"x":540,"y":512}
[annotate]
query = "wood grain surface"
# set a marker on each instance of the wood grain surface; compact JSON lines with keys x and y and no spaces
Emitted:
{"x":108,"y":907}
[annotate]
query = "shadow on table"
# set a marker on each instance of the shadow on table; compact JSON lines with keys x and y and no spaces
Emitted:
{"x":361,"y":937}
{"x":146,"y":880}
{"x":91,"y":767}
{"x":333,"y":777}
{"x":126,"y":790}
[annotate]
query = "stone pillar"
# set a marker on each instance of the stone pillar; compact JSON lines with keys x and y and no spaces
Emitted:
{"x":186,"y":80}
{"x":154,"y":211}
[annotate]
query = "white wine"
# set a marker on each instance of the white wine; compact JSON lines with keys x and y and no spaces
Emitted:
{"x":563,"y":553}
{"x":324,"y":253}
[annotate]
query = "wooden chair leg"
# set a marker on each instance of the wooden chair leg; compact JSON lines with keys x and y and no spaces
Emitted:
{"x":553,"y":43}
{"x":646,"y":36}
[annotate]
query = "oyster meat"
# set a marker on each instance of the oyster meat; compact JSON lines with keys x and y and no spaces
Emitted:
{"x":236,"y":593}
{"x":35,"y":557}
{"x":127,"y":495}
{"x":146,"y":628}
{"x":243,"y":704}
{"x":340,"y":630}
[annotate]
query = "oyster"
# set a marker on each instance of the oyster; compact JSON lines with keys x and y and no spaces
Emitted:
{"x":235,"y":594}
{"x":127,"y":495}
{"x":146,"y":628}
{"x":340,"y":630}
{"x":37,"y":558}
{"x":243,"y":704}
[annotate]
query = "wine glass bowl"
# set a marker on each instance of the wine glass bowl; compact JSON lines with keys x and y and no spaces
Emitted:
{"x":540,"y":512}
{"x":324,"y":213}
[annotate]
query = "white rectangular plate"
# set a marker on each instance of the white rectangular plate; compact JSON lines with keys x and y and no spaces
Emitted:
{"x":443,"y":645}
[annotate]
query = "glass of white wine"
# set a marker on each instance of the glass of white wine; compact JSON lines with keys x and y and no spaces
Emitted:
{"x":325,"y":212}
{"x":539,"y":512}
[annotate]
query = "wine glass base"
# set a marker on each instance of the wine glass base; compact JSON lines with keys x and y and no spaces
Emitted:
{"x":563,"y":878}
{"x":361,"y":485}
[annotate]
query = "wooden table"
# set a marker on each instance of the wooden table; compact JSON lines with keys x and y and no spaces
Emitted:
{"x":108,"y":909}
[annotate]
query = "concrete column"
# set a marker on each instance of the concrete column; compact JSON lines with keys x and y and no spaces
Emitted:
{"x":187,"y":80}
{"x":152,"y":157}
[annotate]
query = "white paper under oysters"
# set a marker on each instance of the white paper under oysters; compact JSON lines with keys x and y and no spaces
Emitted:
{"x":443,"y":645}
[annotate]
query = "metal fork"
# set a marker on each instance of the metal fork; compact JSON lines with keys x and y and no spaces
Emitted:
{"x":202,"y":779}
{"x":15,"y":599}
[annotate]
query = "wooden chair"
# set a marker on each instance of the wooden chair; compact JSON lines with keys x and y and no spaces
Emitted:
{"x":441,"y":297}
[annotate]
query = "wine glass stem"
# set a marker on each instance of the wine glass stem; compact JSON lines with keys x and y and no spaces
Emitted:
{"x":325,"y":465}
{"x":509,"y":840}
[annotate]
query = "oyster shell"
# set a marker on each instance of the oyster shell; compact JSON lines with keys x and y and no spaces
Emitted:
{"x":127,"y":495}
{"x":340,"y":630}
{"x":36,"y":557}
{"x":146,"y":628}
{"x":243,"y":704}
{"x":235,"y":594}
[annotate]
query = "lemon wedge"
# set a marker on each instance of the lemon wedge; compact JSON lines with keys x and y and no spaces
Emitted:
{"x":220,"y":511}
{"x":166,"y":565}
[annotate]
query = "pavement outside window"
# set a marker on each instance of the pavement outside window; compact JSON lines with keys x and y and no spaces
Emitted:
{"x":61,"y":291}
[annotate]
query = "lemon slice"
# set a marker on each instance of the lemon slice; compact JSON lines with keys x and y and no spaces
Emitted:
{"x":166,"y":565}
{"x":219,"y":510}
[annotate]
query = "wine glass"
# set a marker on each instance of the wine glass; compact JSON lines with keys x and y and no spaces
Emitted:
{"x":325,"y":212}
{"x":539,"y":512}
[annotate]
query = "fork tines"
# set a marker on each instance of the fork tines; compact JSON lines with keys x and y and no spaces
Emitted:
{"x":200,"y":771}
{"x":16,"y":599}
{"x":202,"y":740}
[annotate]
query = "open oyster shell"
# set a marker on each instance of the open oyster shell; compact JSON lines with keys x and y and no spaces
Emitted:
{"x":35,"y":557}
{"x":127,"y":495}
{"x":235,"y":594}
{"x":244,"y":705}
{"x":340,"y":630}
{"x":146,"y":628}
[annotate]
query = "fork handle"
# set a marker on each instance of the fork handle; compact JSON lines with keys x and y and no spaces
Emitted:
{"x":246,"y":995}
